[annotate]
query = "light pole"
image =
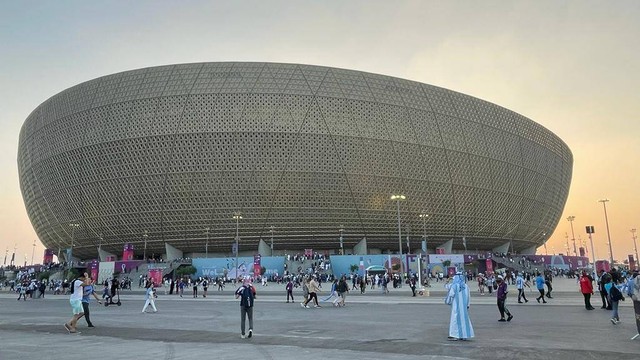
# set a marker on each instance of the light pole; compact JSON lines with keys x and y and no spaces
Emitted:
{"x":424,"y":217}
{"x":33,"y":252}
{"x":145,"y":236}
{"x":573,"y":236}
{"x":606,"y":219}
{"x":635,"y":246}
{"x":206,"y":245}
{"x":341,"y":240}
{"x":237,"y":215}
{"x":398,"y":198}
{"x":271,"y":230}
{"x":73,"y":233}
{"x":100,"y":243}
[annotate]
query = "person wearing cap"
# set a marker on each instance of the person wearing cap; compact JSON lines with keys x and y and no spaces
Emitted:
{"x":247,"y":294}
{"x":501,"y":295}
{"x":458,"y":298}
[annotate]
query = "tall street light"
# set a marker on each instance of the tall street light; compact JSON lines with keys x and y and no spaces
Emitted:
{"x":398,"y":198}
{"x":573,"y":236}
{"x":271,"y":228}
{"x":206,"y":245}
{"x":606,"y":219}
{"x":73,"y":233}
{"x":33,"y":251}
{"x":341,"y":240}
{"x":635,"y":246}
{"x":145,"y":236}
{"x":424,"y":217}
{"x":237,"y":215}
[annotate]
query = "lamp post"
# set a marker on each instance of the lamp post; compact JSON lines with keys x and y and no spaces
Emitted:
{"x":606,"y":219}
{"x":145,"y":236}
{"x":33,"y":252}
{"x":341,"y":240}
{"x":100,"y":243}
{"x":635,"y":247}
{"x":398,"y":198}
{"x":237,"y":215}
{"x":424,"y":217}
{"x":73,"y":233}
{"x":573,"y":236}
{"x":206,"y":245}
{"x":271,"y":231}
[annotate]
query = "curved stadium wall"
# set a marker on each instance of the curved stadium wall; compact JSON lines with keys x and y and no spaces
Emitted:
{"x":174,"y":150}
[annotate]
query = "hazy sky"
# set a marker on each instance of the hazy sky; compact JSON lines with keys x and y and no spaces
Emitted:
{"x":572,"y":66}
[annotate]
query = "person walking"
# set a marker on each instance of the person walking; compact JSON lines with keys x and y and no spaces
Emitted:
{"x":195,"y":288}
{"x":149,"y":296}
{"x":305,"y":290}
{"x":88,"y":291}
{"x":602,"y":281}
{"x":342,"y":289}
{"x":75,"y":299}
{"x":334,"y":292}
{"x":205,"y":287}
{"x":289,"y":288}
{"x":540,"y":286}
{"x":314,"y":289}
{"x":501,"y":295}
{"x":247,"y":294}
{"x":615,"y":295}
{"x":520,"y":286}
{"x":458,"y":298}
{"x":586,"y":288}
{"x":548,"y":279}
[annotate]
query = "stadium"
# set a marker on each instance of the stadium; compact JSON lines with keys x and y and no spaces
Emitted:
{"x":299,"y":156}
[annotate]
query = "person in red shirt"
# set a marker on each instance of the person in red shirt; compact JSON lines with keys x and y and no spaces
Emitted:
{"x":586,"y":287}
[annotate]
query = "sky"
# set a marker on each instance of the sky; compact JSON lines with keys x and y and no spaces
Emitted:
{"x":571,"y":66}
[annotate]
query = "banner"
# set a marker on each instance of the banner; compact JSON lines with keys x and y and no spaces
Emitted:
{"x":48,"y":256}
{"x":489,"y":266}
{"x":632,"y":262}
{"x":155,"y":275}
{"x":582,"y":252}
{"x":127,"y":252}
{"x":93,"y":269}
{"x":440,"y":258}
{"x":256,"y":264}
{"x":308,"y":252}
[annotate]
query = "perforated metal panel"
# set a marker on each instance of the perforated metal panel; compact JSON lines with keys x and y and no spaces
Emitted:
{"x":174,"y":150}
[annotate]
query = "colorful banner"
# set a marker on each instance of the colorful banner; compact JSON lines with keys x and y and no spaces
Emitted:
{"x":308,"y":252}
{"x":439,"y":250}
{"x":94,"y":265}
{"x":127,"y":252}
{"x":632,"y":262}
{"x":256,"y":264}
{"x":441,"y":258}
{"x":155,"y":275}
{"x":582,"y":252}
{"x":127,"y":266}
{"x":48,"y":256}
{"x":489,"y":266}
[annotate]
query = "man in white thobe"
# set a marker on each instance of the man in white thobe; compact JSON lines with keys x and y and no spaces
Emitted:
{"x":458,"y":297}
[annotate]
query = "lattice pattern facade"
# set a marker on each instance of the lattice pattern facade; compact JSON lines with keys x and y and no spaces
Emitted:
{"x":174,"y":150}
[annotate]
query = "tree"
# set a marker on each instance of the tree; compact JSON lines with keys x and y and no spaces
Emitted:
{"x":73,"y":274}
{"x":44,"y":275}
{"x":185,"y":270}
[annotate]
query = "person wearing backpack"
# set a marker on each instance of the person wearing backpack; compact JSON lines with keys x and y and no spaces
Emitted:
{"x":615,"y":295}
{"x":247,"y":294}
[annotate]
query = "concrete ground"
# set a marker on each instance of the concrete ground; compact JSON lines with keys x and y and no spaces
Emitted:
{"x":374,"y":326}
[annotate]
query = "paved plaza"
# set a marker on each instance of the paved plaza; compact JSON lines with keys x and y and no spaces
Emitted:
{"x":373,"y":326}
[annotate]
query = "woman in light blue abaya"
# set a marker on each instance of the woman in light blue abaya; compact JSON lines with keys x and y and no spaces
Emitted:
{"x":458,"y":297}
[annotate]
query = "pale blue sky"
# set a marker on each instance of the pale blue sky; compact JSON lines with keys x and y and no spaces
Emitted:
{"x":572,"y":66}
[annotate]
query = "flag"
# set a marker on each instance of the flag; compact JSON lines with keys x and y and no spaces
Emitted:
{"x":464,"y":242}
{"x":13,"y":257}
